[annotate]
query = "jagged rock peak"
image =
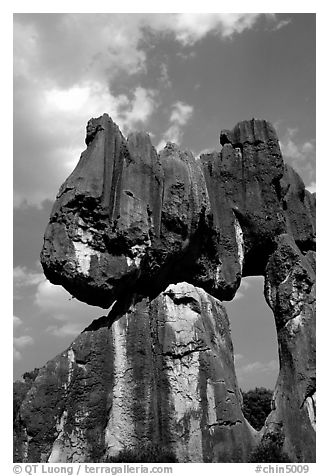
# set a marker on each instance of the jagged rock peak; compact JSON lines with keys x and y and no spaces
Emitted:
{"x":252,"y":132}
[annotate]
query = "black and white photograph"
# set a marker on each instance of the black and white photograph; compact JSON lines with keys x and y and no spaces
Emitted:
{"x":164,"y":195}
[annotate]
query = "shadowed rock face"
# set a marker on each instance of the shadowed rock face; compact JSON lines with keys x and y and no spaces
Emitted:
{"x":299,"y":209}
{"x":243,"y":183}
{"x":127,"y":225}
{"x":163,"y":372}
{"x":290,"y":292}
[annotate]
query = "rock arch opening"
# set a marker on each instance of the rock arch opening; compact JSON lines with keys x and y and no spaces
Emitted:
{"x":254,"y":336}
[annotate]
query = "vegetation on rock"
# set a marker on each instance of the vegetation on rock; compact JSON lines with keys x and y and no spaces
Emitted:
{"x":269,"y":451}
{"x":257,"y":406}
{"x":145,"y":454}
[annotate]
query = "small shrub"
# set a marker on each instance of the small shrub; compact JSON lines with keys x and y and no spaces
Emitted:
{"x":226,"y":457}
{"x":29,"y":377}
{"x":257,"y":406}
{"x":269,"y":451}
{"x":145,"y":454}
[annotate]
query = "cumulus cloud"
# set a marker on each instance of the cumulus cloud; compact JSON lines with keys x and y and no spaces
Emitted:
{"x":64,"y":68}
{"x":246,"y":370}
{"x":68,"y":315}
{"x":181,"y":113}
{"x":64,"y":330}
{"x":139,"y":109}
{"x":311,"y":187}
{"x":67,"y":47}
{"x":17,"y":322}
{"x":52,"y":140}
{"x":188,"y":28}
{"x":23,"y":341}
{"x":20,"y":343}
{"x":25,"y":277}
{"x":164,"y":77}
{"x":281,"y":24}
{"x":263,"y":367}
{"x":300,"y":154}
{"x":17,"y":355}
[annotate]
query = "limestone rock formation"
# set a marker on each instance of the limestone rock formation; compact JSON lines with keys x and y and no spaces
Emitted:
{"x":125,"y":218}
{"x":163,"y":372}
{"x":128,"y":225}
{"x":243,"y":182}
{"x":128,"y":218}
{"x":290,"y":292}
{"x":299,"y":209}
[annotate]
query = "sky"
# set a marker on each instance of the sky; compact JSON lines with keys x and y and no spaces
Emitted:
{"x":180,"y":77}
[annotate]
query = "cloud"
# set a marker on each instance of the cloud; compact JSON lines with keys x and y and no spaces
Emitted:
{"x":311,"y":187}
{"x":281,"y":24}
{"x":53,"y":298}
{"x":68,"y":47}
{"x":68,"y":316}
{"x":139,"y":109}
{"x":164,"y":75}
{"x":20,"y":343}
{"x":181,"y":113}
{"x":68,"y":329}
{"x":254,"y":371}
{"x":23,"y":341}
{"x":24,"y":277}
{"x":17,"y":354}
{"x":52,"y":139}
{"x":189,"y":28}
{"x":17,"y":322}
{"x":256,"y":367}
{"x":301,"y":154}
{"x":65,"y":66}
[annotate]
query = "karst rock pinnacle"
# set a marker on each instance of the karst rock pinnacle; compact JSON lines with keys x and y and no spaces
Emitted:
{"x":160,"y":239}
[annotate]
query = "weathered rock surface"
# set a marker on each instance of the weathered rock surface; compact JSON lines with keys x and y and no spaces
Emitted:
{"x":290,"y":292}
{"x":163,"y":372}
{"x":125,"y":219}
{"x":243,"y":183}
{"x":130,"y":219}
{"x":126,"y":226}
{"x":299,"y":209}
